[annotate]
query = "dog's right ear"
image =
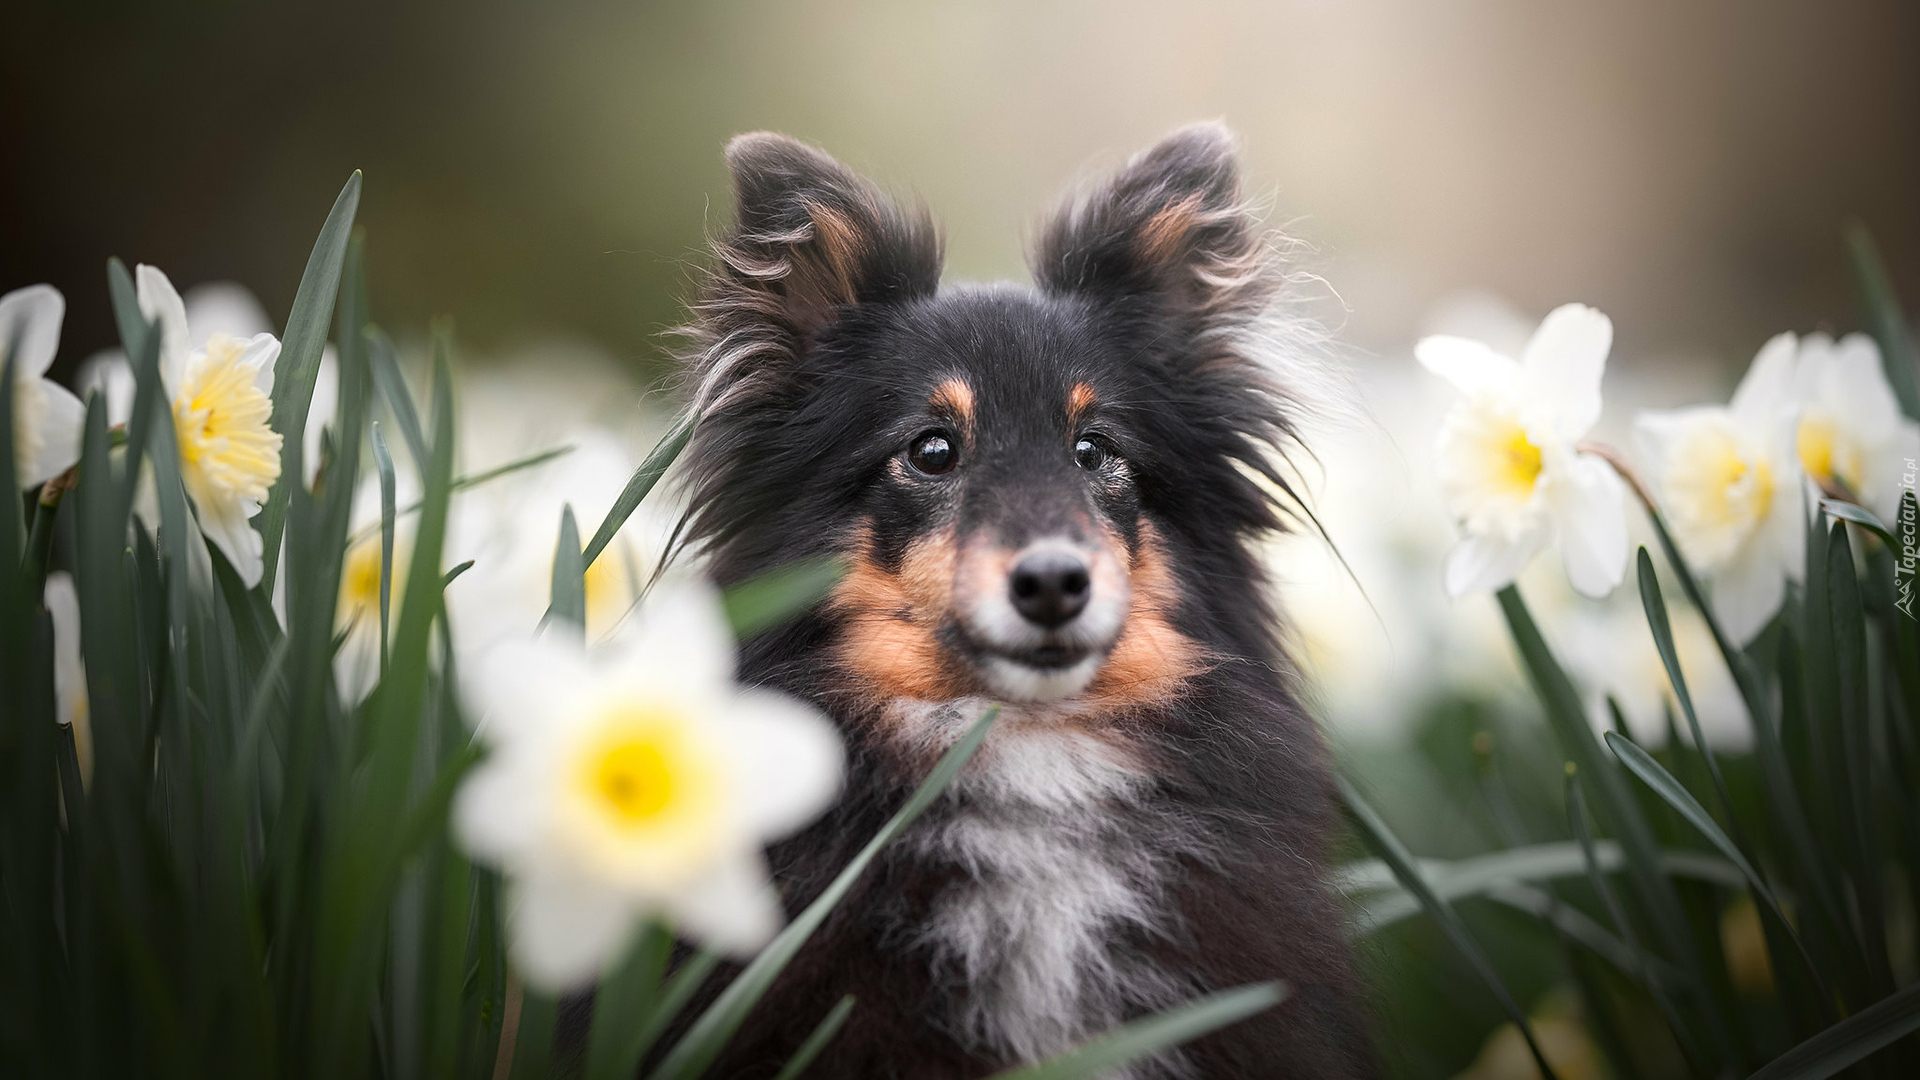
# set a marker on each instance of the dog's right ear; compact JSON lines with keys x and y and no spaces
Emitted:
{"x":810,"y":239}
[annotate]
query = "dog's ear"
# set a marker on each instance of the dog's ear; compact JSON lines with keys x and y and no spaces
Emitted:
{"x":810,"y":239}
{"x":1169,"y":226}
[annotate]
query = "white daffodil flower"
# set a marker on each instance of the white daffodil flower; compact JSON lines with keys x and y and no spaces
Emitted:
{"x":1506,"y":458}
{"x":1851,"y":433}
{"x":47,"y":418}
{"x":636,"y":780}
{"x":1729,"y":482}
{"x":221,"y":399}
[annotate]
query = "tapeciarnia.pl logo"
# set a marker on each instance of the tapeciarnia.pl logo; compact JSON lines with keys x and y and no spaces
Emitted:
{"x":1909,"y":527}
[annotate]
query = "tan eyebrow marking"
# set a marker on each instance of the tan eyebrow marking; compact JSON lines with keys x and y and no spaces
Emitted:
{"x":1080,"y":400}
{"x":955,"y":397}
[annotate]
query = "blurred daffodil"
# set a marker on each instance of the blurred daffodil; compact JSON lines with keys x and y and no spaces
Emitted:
{"x":1851,"y":435}
{"x":220,"y":394}
{"x":1729,"y":481}
{"x":636,"y":780}
{"x":1507,"y":461}
{"x":69,"y":670}
{"x":47,"y":418}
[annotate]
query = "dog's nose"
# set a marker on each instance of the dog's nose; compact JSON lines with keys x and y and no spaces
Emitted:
{"x":1050,"y":587}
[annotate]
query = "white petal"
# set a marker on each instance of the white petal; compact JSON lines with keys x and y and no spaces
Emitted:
{"x":563,"y":931}
{"x":30,"y":320}
{"x":500,"y":812}
{"x":682,"y":637}
{"x":1767,"y":390}
{"x":234,"y":535}
{"x":107,"y":372}
{"x":62,"y":420}
{"x":732,"y":907}
{"x":1588,"y":503}
{"x":1563,"y":364}
{"x":259,"y":353}
{"x":1747,"y":592}
{"x":69,"y":675}
{"x":1855,"y":383}
{"x":1470,"y":366}
{"x":520,"y":685}
{"x":789,"y":760}
{"x":1479,"y":563}
{"x":159,"y":300}
{"x":223,"y":307}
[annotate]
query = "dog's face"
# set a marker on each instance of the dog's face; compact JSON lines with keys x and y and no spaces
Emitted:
{"x":1034,"y":488}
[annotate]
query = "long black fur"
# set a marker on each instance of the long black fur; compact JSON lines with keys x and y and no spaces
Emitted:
{"x":815,"y":343}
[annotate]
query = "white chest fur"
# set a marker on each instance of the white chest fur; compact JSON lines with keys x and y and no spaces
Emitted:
{"x":1054,"y":878}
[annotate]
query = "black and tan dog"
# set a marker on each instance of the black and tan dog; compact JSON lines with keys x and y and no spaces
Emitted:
{"x":1047,"y":496}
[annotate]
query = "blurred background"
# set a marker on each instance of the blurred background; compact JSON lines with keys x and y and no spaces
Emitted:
{"x":547,"y":173}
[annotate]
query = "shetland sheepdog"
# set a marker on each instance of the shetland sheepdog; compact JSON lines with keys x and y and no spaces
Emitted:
{"x":1047,"y":497}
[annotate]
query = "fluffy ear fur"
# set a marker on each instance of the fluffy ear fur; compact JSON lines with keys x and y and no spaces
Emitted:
{"x":809,"y":239}
{"x":1171,"y":227}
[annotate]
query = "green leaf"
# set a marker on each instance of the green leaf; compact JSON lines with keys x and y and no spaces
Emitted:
{"x":1655,"y":606}
{"x":1388,"y":847}
{"x":393,"y":387}
{"x":642,"y":482}
{"x":1885,"y":321}
{"x":383,"y":462}
{"x":569,"y":595}
{"x":1860,"y":516}
{"x":1846,"y":626}
{"x":533,"y":1042}
{"x":472,"y":480}
{"x":1103,"y":1054}
{"x":823,"y":1034}
{"x":299,"y":366}
{"x":1670,"y":791}
{"x":1850,"y":1040}
{"x":779,"y":594}
{"x":624,"y":1003}
{"x":709,"y":1034}
{"x":1622,"y":924}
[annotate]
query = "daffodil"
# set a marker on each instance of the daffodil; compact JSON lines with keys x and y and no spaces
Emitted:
{"x":1851,"y":434}
{"x":47,"y":418}
{"x":221,"y":401}
{"x":636,"y":781}
{"x":1728,"y":479}
{"x":1507,"y":458}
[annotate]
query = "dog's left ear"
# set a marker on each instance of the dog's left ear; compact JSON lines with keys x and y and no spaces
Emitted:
{"x":1170,"y":227}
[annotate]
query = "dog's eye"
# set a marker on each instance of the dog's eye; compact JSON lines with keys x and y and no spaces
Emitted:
{"x":1090,"y":454}
{"x":933,"y":454}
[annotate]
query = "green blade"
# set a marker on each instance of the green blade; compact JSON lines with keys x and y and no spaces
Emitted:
{"x":1670,"y":791}
{"x":780,"y":594}
{"x":299,"y":366}
{"x":642,"y":482}
{"x":1876,"y":1026}
{"x":1107,"y":1052}
{"x":568,"y":605}
{"x":1388,"y":847}
{"x":823,"y":1034}
{"x":709,"y":1034}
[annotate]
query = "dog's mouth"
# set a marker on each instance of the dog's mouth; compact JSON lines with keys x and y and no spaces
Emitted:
{"x":1047,"y":671}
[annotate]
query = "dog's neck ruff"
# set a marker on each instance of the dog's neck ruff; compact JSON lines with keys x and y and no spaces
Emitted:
{"x":1060,"y":872}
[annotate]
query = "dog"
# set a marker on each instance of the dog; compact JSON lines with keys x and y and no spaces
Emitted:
{"x":1046,"y":497}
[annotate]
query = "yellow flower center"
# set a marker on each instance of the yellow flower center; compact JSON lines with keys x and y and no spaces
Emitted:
{"x":1826,"y":452}
{"x":227,"y":451}
{"x":1489,"y":467}
{"x":1521,"y":461}
{"x":636,"y":781}
{"x":360,"y":582}
{"x":1718,"y":494}
{"x":645,"y":795}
